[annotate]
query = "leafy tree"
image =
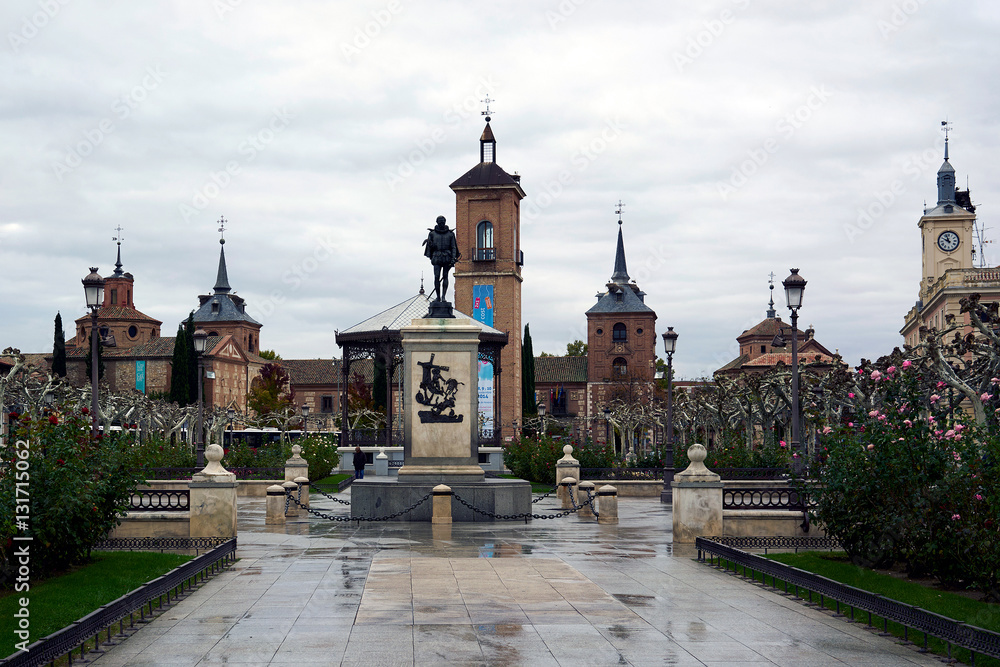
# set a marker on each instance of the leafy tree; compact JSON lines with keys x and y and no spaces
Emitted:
{"x":270,"y":391}
{"x":576,"y":349}
{"x":270,"y":355}
{"x":59,"y":349}
{"x":528,"y":406}
{"x":179,"y":382}
{"x":545,"y":354}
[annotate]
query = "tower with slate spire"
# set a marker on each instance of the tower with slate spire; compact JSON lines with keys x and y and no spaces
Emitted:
{"x":621,"y":336}
{"x":118,"y":316}
{"x":488,"y":274}
{"x":948,"y":232}
{"x":223,"y":313}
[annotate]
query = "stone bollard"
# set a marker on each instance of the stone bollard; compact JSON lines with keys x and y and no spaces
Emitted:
{"x":607,"y":504}
{"x":381,"y":463}
{"x":567,"y":487}
{"x":586,"y":511}
{"x":291,"y":488}
{"x":697,"y":502}
{"x":275,"y":505}
{"x":213,"y":498}
{"x":442,"y":504}
{"x":567,"y":466}
{"x":296,"y":466}
{"x":303,"y":495}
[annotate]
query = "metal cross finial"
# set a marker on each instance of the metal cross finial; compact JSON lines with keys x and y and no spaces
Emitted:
{"x":618,"y":210}
{"x":487,"y":113}
{"x":118,"y":237}
{"x":771,"y":279}
{"x":946,"y":128}
{"x":222,"y":229}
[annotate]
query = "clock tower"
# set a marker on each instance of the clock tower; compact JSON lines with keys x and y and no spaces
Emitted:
{"x":948,"y":259}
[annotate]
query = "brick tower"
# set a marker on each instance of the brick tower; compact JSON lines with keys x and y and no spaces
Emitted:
{"x":488,"y":229}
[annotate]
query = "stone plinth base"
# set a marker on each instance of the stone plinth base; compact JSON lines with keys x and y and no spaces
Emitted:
{"x":415,"y":471}
{"x":382,"y":497}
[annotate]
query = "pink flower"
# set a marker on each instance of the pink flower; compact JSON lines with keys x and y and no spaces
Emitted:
{"x":956,"y":456}
{"x":850,"y":394}
{"x":890,"y":370}
{"x":871,"y":447}
{"x":995,"y":380}
{"x":873,"y":413}
{"x":986,"y":396}
{"x":959,"y":428}
{"x":979,"y":497}
{"x":782,"y":443}
{"x":908,"y":422}
{"x":850,"y":424}
{"x":935,"y":398}
{"x":906,"y":364}
{"x":956,"y":517}
{"x":931,"y":420}
{"x":950,"y":433}
{"x":876,"y":375}
{"x":940,"y":384}
{"x":827,"y":430}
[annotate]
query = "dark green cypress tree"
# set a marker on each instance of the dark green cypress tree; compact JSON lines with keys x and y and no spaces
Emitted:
{"x":179,"y":381}
{"x":59,"y":349}
{"x":528,"y":406}
{"x":192,"y":359}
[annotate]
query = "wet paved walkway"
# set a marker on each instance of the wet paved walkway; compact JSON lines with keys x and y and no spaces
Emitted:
{"x":552,"y":592}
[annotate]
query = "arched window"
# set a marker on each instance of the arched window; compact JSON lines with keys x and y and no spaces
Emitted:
{"x":619,"y":333}
{"x":484,"y":242}
{"x":620,"y":367}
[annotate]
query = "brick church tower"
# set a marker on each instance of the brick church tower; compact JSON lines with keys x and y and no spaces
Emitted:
{"x":621,"y":338}
{"x":488,"y":229}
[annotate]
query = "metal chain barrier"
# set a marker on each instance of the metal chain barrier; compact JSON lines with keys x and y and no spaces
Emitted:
{"x":524,"y":515}
{"x":359,"y":519}
{"x":544,"y":495}
{"x":324,"y":493}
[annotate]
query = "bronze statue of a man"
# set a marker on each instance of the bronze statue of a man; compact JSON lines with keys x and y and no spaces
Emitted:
{"x":441,"y":247}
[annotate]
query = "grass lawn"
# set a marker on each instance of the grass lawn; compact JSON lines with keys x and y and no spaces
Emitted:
{"x":956,"y":606}
{"x":330,"y":481}
{"x":535,"y":486}
{"x":58,"y":601}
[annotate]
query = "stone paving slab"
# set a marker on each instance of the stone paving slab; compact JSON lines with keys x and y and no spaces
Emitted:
{"x":558,"y":592}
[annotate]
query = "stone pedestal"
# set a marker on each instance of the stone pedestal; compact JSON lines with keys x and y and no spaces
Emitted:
{"x":441,"y":402}
{"x":567,"y":466}
{"x":296,"y":466}
{"x":381,"y":464}
{"x":697,"y":499}
{"x":213,"y":498}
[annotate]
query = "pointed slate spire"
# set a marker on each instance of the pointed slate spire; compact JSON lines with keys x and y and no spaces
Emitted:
{"x":118,"y":263}
{"x":946,"y":174}
{"x":222,"y":279}
{"x":621,"y":270}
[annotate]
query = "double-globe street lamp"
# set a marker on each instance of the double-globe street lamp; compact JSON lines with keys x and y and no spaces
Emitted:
{"x":794,"y":286}
{"x":200,"y":341}
{"x":669,"y":346}
{"x":93,"y":287}
{"x":305,"y":419}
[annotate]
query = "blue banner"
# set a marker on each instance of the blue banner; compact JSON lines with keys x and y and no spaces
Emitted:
{"x":140,"y":376}
{"x":482,"y":311}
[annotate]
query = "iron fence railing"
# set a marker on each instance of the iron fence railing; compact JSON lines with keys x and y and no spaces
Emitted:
{"x":371,"y":437}
{"x":103,"y":619}
{"x":777,"y":498}
{"x":160,"y":500}
{"x":954,"y":633}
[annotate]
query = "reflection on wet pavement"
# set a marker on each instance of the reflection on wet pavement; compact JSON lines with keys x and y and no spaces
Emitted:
{"x":558,"y":592}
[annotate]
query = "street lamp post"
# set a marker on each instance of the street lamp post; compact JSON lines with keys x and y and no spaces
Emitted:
{"x":305,"y":419}
{"x":794,"y":286}
{"x":607,"y":424}
{"x":541,"y":413}
{"x":669,"y":346}
{"x":93,"y":287}
{"x":231,"y":414}
{"x":200,"y":340}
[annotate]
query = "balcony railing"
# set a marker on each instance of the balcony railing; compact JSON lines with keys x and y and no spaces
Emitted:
{"x":485,"y":254}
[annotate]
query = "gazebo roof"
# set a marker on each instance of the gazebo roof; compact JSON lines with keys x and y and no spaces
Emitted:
{"x":388,"y":323}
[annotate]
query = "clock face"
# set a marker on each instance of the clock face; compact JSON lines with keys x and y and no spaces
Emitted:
{"x":948,"y":241}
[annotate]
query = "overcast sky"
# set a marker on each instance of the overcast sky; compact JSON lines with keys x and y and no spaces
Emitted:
{"x":745,"y":137}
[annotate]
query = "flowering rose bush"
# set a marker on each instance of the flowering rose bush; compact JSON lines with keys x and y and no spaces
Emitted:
{"x":905,"y":482}
{"x":534,"y":459}
{"x":77,"y":486}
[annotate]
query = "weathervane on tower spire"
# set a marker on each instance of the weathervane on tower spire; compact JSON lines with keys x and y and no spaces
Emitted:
{"x":770,"y":304}
{"x":487,"y":113}
{"x":222,"y":230}
{"x":618,"y":210}
{"x":118,"y":239}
